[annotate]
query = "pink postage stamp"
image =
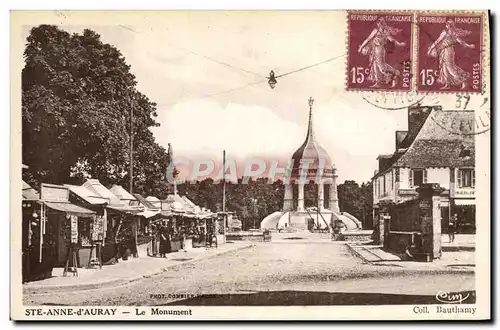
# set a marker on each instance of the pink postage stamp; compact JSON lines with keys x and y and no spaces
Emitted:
{"x":449,"y":53}
{"x":379,"y":51}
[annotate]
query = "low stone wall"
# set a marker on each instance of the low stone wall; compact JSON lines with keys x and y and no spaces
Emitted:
{"x":253,"y":236}
{"x":398,"y":241}
{"x":358,"y":236}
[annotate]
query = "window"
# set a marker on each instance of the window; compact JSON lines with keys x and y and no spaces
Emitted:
{"x":466,"y":177}
{"x":384,"y":190}
{"x":397,"y":174}
{"x":418,"y":177}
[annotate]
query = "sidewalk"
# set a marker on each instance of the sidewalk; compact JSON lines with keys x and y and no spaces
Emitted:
{"x":459,"y":255}
{"x":125,"y":271}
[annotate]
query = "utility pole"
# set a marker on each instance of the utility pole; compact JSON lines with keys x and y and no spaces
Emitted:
{"x":224,"y":215}
{"x":224,"y":181}
{"x":131,"y":173}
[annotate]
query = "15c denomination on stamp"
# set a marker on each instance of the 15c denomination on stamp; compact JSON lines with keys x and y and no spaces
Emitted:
{"x":379,"y":51}
{"x":449,"y":53}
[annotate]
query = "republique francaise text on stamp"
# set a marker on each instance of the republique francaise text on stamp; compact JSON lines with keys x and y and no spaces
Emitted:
{"x":449,"y":53}
{"x":379,"y":51}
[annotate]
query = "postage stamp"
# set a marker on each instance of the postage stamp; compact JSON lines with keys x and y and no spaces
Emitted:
{"x":379,"y":48}
{"x":449,"y":53}
{"x":277,"y":204}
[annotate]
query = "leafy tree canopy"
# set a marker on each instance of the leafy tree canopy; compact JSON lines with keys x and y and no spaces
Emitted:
{"x":77,"y":93}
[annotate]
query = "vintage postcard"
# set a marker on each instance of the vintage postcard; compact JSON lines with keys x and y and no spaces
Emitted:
{"x":250,"y":165}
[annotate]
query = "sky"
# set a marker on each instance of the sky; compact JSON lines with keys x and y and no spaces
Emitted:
{"x":180,"y":58}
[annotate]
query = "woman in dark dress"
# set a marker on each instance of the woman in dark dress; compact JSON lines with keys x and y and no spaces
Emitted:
{"x":164,"y":242}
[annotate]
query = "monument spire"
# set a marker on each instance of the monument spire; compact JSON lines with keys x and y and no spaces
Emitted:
{"x":310,"y":132}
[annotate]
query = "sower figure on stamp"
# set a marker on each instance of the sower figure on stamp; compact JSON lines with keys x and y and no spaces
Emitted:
{"x":450,"y":74}
{"x":375,"y":47}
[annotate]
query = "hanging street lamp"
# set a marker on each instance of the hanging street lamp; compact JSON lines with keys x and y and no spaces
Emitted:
{"x":272,"y":79}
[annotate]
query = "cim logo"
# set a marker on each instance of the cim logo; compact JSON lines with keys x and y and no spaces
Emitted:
{"x":451,"y":298}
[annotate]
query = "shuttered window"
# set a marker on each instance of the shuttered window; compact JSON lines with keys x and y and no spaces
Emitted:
{"x":466,"y":177}
{"x":418,"y":177}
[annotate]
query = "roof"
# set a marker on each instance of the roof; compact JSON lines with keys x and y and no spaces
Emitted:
{"x":95,"y":186}
{"x":149,"y":214}
{"x":125,"y":208}
{"x":176,"y":203}
{"x":437,"y":153}
{"x":417,"y":117}
{"x":145,"y":202}
{"x":152,"y":199}
{"x":69,"y":208}
{"x":29,"y":193}
{"x":87,"y":195}
{"x":114,"y":202}
{"x":439,"y":142}
{"x":188,"y":201}
{"x":311,"y":150}
{"x":121,"y":193}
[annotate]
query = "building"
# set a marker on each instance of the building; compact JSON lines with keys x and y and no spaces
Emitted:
{"x":438,"y":147}
{"x":311,"y":164}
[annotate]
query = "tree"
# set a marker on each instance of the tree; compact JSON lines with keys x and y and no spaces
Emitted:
{"x":350,"y":200}
{"x":367,"y":195}
{"x":357,"y":201}
{"x":77,"y":93}
{"x":251,"y":202}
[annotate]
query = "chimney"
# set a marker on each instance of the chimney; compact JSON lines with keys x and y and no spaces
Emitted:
{"x":416,"y":117}
{"x":400,"y":136}
{"x":384,"y":161}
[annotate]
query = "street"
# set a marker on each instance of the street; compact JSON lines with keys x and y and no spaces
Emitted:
{"x":278,"y":273}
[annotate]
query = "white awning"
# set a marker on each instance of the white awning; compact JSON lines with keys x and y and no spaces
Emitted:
{"x":148,"y":214}
{"x":464,"y":201}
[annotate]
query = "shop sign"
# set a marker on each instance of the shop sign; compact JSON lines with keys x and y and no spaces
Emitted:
{"x":54,"y":193}
{"x":98,"y":228}
{"x":74,"y":229}
{"x":465,"y":192}
{"x":407,"y":192}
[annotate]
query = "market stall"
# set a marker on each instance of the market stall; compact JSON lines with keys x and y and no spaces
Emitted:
{"x":84,"y":197}
{"x":68,"y":227}
{"x":37,"y":252}
{"x":121,"y":226}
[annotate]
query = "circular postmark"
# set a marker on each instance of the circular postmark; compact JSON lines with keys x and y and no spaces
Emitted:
{"x":470,"y":115}
{"x":396,"y":100}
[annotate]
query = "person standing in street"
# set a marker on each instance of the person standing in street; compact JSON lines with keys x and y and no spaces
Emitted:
{"x":452,"y":227}
{"x":164,"y":242}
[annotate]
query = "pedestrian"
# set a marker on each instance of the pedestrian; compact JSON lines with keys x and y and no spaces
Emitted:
{"x":452,"y":227}
{"x":164,"y":242}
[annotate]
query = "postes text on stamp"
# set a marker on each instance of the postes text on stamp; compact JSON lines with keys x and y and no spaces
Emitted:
{"x":449,"y":53}
{"x":379,"y":51}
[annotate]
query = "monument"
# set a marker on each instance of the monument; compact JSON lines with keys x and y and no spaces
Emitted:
{"x":310,"y":164}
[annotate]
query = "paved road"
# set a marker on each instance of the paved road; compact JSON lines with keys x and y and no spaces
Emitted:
{"x":293,"y":273}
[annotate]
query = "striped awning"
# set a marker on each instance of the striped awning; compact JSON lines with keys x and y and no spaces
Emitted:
{"x":125,"y":209}
{"x":70,"y":209}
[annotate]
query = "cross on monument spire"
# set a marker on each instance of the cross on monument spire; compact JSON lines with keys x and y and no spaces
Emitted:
{"x":310,"y":133}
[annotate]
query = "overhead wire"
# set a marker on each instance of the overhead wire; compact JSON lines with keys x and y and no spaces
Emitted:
{"x":201,"y":55}
{"x":237,"y":68}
